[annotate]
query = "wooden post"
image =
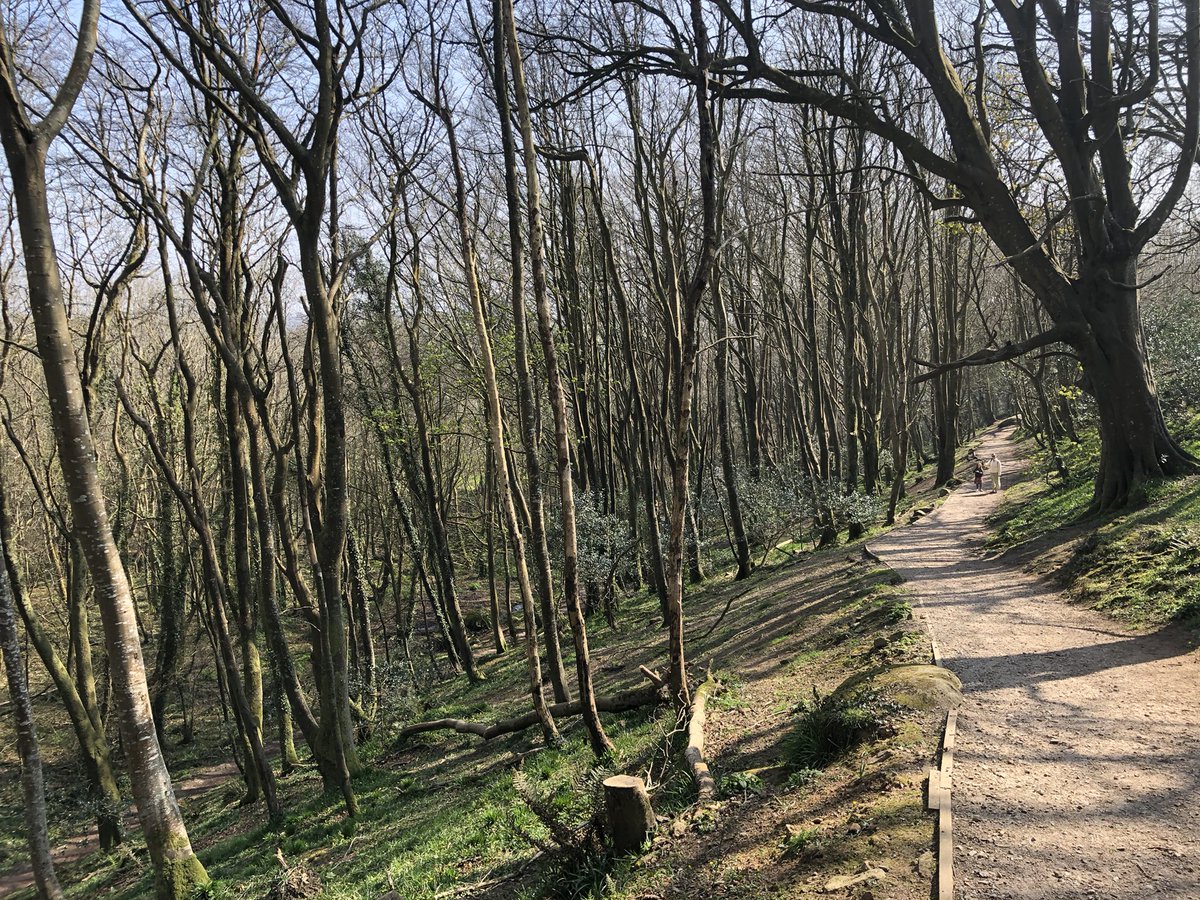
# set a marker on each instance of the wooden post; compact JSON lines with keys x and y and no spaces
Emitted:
{"x":630,"y":815}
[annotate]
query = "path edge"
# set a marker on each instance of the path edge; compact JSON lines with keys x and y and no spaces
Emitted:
{"x":941,"y":778}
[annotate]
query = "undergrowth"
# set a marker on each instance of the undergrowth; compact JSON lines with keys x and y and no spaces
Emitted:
{"x":829,"y":727}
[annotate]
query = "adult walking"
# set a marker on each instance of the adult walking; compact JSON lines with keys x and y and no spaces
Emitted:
{"x":994,"y":468}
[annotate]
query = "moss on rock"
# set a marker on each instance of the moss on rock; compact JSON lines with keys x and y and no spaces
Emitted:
{"x":914,"y":685}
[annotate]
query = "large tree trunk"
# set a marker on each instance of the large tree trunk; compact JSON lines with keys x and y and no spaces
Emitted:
{"x":178,"y":871}
{"x":1134,"y":442}
{"x":337,"y":725}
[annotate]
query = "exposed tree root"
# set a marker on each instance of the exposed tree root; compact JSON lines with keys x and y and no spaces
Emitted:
{"x":626,"y":700}
{"x":706,"y":786}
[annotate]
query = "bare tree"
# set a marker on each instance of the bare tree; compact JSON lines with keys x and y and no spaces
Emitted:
{"x":27,"y":745}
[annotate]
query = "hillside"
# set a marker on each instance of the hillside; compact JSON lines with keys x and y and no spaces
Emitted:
{"x":441,"y":815}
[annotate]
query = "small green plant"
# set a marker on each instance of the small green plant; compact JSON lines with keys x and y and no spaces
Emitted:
{"x":741,"y":784}
{"x":802,"y":778}
{"x":899,"y":611}
{"x":730,"y":695}
{"x":831,"y":726}
{"x":214,"y":890}
{"x":801,"y":840}
{"x":706,"y":821}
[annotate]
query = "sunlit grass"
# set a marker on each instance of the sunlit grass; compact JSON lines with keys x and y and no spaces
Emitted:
{"x":1140,"y":565}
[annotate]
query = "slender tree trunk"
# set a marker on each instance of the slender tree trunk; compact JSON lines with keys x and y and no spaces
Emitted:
{"x":170,"y":604}
{"x":93,"y":743}
{"x":27,"y":746}
{"x":688,"y":349}
{"x":489,"y":524}
{"x":601,"y":745}
{"x":741,"y":546}
{"x":495,"y":422}
{"x":525,"y":394}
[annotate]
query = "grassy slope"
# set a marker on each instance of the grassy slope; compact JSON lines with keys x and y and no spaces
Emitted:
{"x":1142,"y":566}
{"x":441,"y":815}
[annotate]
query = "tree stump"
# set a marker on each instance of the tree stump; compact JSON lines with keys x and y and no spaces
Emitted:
{"x":630,"y":815}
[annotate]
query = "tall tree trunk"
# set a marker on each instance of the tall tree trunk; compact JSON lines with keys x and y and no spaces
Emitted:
{"x":683,"y":377}
{"x":525,"y":395}
{"x":178,"y":871}
{"x":495,"y":422}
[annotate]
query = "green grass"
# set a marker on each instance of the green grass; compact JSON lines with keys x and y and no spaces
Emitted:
{"x":423,"y":829}
{"x":1141,"y":565}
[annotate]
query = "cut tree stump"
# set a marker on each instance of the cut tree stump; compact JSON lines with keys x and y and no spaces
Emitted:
{"x":630,"y":815}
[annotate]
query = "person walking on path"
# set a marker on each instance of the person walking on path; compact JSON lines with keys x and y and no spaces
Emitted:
{"x":978,"y":478}
{"x":994,"y":468}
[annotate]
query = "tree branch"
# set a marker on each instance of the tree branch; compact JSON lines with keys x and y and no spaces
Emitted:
{"x":989,"y":355}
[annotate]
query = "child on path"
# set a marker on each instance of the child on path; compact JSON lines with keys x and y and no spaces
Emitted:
{"x":979,"y":477}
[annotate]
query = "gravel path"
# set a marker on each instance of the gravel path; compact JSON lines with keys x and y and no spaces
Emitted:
{"x":1077,"y":767}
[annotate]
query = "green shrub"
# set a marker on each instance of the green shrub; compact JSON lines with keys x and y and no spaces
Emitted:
{"x":830,"y":727}
{"x":477,"y":619}
{"x":800,"y":840}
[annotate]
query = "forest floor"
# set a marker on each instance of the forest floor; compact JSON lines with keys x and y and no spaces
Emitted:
{"x":443,"y":815}
{"x":1077,"y":769}
{"x":75,"y":850}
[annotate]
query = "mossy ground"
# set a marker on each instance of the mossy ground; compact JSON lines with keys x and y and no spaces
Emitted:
{"x":1140,"y":565}
{"x":440,"y":815}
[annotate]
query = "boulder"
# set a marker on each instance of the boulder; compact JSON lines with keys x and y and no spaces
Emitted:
{"x":914,"y":685}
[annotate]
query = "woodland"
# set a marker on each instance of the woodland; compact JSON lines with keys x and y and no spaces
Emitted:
{"x":353,"y":350}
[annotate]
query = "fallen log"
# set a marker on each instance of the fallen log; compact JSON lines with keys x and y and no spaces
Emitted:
{"x":706,"y":786}
{"x":626,"y":700}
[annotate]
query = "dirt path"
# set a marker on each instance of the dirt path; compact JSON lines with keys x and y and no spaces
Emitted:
{"x":1077,"y":769}
{"x":73,"y":850}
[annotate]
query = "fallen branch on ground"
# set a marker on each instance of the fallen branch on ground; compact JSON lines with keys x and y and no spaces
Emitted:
{"x":706,"y":786}
{"x":725,"y":611}
{"x":626,"y":700}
